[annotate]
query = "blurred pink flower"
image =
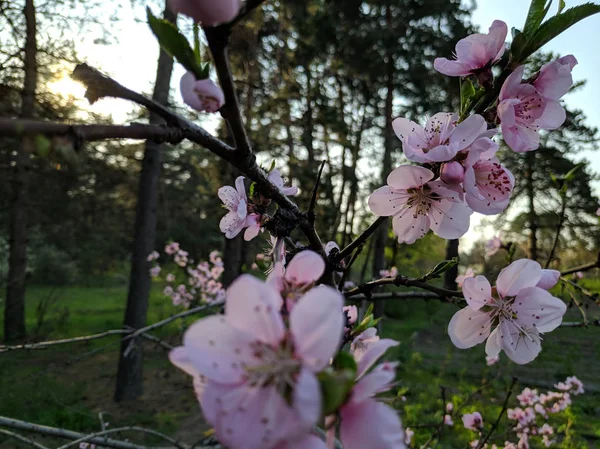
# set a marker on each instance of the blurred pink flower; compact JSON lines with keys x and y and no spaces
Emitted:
{"x":155,"y":271}
{"x":492,"y":246}
{"x":461,"y":279}
{"x":352,"y":314}
{"x":238,"y":218}
{"x":207,"y":12}
{"x":202,"y":95}
{"x":472,"y":421}
{"x":448,"y":420}
{"x":549,"y":279}
{"x":492,"y":360}
{"x":475,"y":52}
{"x":417,"y":205}
{"x":152,"y":256}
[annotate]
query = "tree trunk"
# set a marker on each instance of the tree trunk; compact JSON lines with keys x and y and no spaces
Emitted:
{"x":452,"y":273}
{"x":14,"y":310}
{"x":382,"y":232}
{"x":130,"y":373}
{"x":533,"y":219}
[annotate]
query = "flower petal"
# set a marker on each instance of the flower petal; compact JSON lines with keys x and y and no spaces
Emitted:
{"x":511,"y":86}
{"x":308,"y":441}
{"x":377,"y":381}
{"x":410,"y":226}
{"x":553,"y":117}
{"x":317,"y":325}
{"x":468,"y":131}
{"x":520,"y":348}
{"x":371,"y":425}
{"x":477,"y":291}
{"x":231,"y":224}
{"x":386,"y":201}
{"x":229,"y":196}
{"x":549,"y":279}
{"x":305,"y":268}
{"x":451,"y":68}
{"x":493,"y":346}
{"x":520,"y":274}
{"x":404,"y":128}
{"x":179,"y":357}
{"x":449,"y":219}
{"x":409,"y":177}
{"x":253,"y":307}
{"x":241,"y":189}
{"x":469,"y":327}
{"x":374,"y":352}
{"x":536,"y":307}
{"x":306,"y":400}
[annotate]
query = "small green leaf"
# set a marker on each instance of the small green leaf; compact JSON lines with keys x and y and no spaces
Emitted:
{"x":518,"y":44}
{"x":345,"y":361}
{"x":174,"y":43}
{"x":557,"y":25}
{"x":42,"y":145}
{"x":561,"y":6}
{"x":537,"y":11}
{"x":272,"y":166}
{"x":197,"y":43}
{"x":467,"y":91}
{"x":571,"y":173}
{"x":252,"y":189}
{"x":335,"y":387}
{"x":440,"y":268}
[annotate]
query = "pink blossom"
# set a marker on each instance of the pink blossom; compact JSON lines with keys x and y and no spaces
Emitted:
{"x":363,"y":342}
{"x":449,"y":407}
{"x":528,"y":397}
{"x":571,"y":384}
{"x":155,"y":271}
{"x":351,"y":313}
{"x":172,"y":248}
{"x":301,"y":274}
{"x":448,"y":420}
{"x":553,"y":81}
{"x":349,"y":285}
{"x":391,"y":273}
{"x":417,"y":205}
{"x":475,"y":52}
{"x":181,"y":258}
{"x":472,"y":421}
{"x":452,"y":173}
{"x":275,"y":178}
{"x":238,"y":218}
{"x":461,"y":279}
{"x":202,"y":95}
{"x":87,"y":446}
{"x":207,"y":12}
{"x":152,"y":256}
{"x":549,"y":279}
{"x":170,"y":277}
{"x":366,"y":422}
{"x":518,"y":308}
{"x":408,"y":435}
{"x":488,"y":184}
{"x":168,"y":290}
{"x":578,"y":275}
{"x":493,"y":245}
{"x":598,"y":212}
{"x":489,"y":361}
{"x":441,"y":139}
{"x":249,"y":360}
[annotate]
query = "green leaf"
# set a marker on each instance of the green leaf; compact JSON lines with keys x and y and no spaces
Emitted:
{"x":571,"y":174}
{"x":335,"y":387}
{"x":467,"y":91}
{"x":561,"y":6}
{"x":175,"y":44}
{"x":440,"y":268}
{"x":197,"y":43}
{"x":42,"y":145}
{"x":518,"y":44}
{"x":252,"y":189}
{"x":537,"y":11}
{"x":557,"y":25}
{"x":345,"y":361}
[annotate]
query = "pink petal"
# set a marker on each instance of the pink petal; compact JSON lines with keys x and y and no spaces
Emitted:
{"x":440,"y":127}
{"x":252,"y":230}
{"x":549,"y":279}
{"x":373,"y":353}
{"x":477,"y":291}
{"x":240,"y":187}
{"x":512,"y":84}
{"x":506,"y":112}
{"x":553,"y":117}
{"x":275,"y":178}
{"x":186,"y":87}
{"x":306,"y":400}
{"x":229,"y":196}
{"x":207,"y":12}
{"x":452,"y":68}
{"x":520,"y":274}
{"x":306,"y":267}
{"x":253,"y":307}
{"x":210,"y":94}
{"x":468,"y":328}
{"x":377,"y":381}
{"x":497,"y":33}
{"x":410,"y":226}
{"x":441,"y":153}
{"x":521,"y":138}
{"x":317,"y":325}
{"x":217,"y":349}
{"x":231,"y":224}
{"x":519,"y":348}
{"x":538,"y":308}
{"x":371,"y":425}
{"x":450,"y":220}
{"x":468,"y":131}
{"x":555,"y":79}
{"x":409,"y":177}
{"x":179,"y":358}
{"x":386,"y":201}
{"x":309,"y":441}
{"x":494,"y":343}
{"x":405,"y":128}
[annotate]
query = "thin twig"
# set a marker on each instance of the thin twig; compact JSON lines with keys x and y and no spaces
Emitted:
{"x":99,"y":435}
{"x":366,"y":288}
{"x":360,"y":239}
{"x":561,"y":220}
{"x":586,"y":267}
{"x":500,"y":415}
{"x":349,"y":266}
{"x":580,"y":323}
{"x":23,"y":439}
{"x":313,"y":195}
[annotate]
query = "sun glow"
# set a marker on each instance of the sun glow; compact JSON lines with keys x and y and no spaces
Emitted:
{"x":66,"y":87}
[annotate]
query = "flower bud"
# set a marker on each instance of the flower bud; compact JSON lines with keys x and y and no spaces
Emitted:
{"x":207,"y":12}
{"x":452,"y":173}
{"x":202,"y":95}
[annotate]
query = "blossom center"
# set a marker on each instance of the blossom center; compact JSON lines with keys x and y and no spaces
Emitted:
{"x":275,"y":366}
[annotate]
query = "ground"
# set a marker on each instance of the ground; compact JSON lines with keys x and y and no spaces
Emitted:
{"x":68,"y":386}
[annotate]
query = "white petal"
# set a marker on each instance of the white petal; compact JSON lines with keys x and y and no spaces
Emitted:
{"x":409,"y":177}
{"x":520,"y":274}
{"x":410,"y":226}
{"x":374,"y":352}
{"x":253,"y":307}
{"x":371,"y":425}
{"x":449,"y":219}
{"x":518,"y":347}
{"x":405,"y":128}
{"x":306,"y":400}
{"x":477,"y":291}
{"x":239,"y":185}
{"x":538,"y":308}
{"x":468,"y":328}
{"x":231,"y":224}
{"x":493,"y":344}
{"x":386,"y":201}
{"x":229,"y":196}
{"x":549,"y":279}
{"x":317,"y":324}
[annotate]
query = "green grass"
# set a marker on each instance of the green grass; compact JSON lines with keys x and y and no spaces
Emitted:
{"x":67,"y":386}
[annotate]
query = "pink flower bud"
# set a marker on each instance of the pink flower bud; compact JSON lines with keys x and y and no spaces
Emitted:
{"x":202,"y":95}
{"x":207,"y":12}
{"x":452,"y":173}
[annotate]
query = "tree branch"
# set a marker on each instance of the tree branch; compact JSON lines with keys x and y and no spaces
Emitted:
{"x":101,"y":435}
{"x":561,"y":220}
{"x":359,"y":240}
{"x":366,"y":288}
{"x":586,"y":267}
{"x":500,"y":415}
{"x":16,"y":436}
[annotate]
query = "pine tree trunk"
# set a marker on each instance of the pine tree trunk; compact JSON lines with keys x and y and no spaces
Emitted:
{"x":14,"y":310}
{"x":452,"y":273}
{"x":130,"y":372}
{"x":382,"y":232}
{"x":532,"y":216}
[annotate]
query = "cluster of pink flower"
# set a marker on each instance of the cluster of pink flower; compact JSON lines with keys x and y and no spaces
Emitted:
{"x":203,"y":285}
{"x":263,"y":371}
{"x":461,"y":173}
{"x":519,"y":307}
{"x":247,"y":212}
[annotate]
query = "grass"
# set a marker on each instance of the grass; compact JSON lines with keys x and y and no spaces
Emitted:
{"x":68,"y":386}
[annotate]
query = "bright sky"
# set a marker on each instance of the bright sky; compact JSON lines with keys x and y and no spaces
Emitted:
{"x":132,"y":62}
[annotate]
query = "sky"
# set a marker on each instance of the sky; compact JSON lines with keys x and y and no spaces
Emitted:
{"x":133,"y":63}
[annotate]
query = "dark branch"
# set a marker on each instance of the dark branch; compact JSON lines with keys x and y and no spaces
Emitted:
{"x":360,"y":239}
{"x":500,"y":415}
{"x":586,"y":267}
{"x":314,"y":193}
{"x":368,"y":287}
